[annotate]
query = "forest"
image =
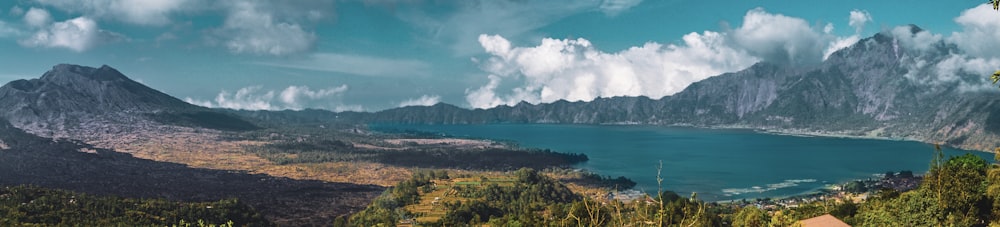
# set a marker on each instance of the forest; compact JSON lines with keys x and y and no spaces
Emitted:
{"x":36,"y":206}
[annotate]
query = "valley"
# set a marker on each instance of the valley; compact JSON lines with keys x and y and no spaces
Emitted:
{"x":95,"y":131}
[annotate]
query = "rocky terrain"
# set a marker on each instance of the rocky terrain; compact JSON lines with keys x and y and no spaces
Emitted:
{"x":76,"y":166}
{"x":71,"y":101}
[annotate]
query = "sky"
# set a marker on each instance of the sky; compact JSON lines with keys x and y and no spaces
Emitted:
{"x":377,"y":54}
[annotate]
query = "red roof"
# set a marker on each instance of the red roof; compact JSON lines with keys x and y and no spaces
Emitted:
{"x":825,"y":220}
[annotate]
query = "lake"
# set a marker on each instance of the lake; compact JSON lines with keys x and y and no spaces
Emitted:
{"x":718,"y":164}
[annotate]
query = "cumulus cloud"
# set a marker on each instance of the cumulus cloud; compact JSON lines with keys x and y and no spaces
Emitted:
{"x":955,"y":70}
{"x":293,"y":95}
{"x":36,"y":17}
{"x":968,"y":71}
{"x":261,"y":27}
{"x":573,"y":69}
{"x":980,"y":29}
{"x":356,"y":64}
{"x":250,"y":29}
{"x":858,"y":19}
{"x":256,"y":98}
{"x":141,"y":12}
{"x":780,"y":39}
{"x":247,"y":98}
{"x":922,"y":40}
{"x":424,"y":100}
{"x":77,"y":34}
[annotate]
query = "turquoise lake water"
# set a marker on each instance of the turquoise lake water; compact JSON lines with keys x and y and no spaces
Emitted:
{"x":718,"y":164}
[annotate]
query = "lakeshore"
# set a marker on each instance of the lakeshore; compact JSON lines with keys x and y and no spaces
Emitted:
{"x":712,"y":162}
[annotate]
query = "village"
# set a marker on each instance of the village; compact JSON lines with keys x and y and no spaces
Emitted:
{"x":854,"y":191}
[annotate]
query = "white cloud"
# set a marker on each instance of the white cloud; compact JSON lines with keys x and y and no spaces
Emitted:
{"x":250,"y":29}
{"x":780,"y":39}
{"x":858,"y":19}
{"x":256,"y":98}
{"x":356,"y":64}
{"x":922,"y":40}
{"x":247,"y":98}
{"x":293,"y":95}
{"x":458,"y":30}
{"x":77,"y":34}
{"x":36,"y":17}
{"x":980,"y":31}
{"x":262,"y":27}
{"x":838,"y":44}
{"x":424,"y":100}
{"x":967,"y":71}
{"x":141,"y":12}
{"x":485,"y":96}
{"x":574,"y":70}
{"x":614,"y":7}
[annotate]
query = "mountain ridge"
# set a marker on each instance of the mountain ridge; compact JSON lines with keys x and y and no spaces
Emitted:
{"x":877,"y":87}
{"x":67,"y":99}
{"x":874,"y":88}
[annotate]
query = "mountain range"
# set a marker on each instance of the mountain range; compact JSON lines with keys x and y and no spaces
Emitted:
{"x":882,"y":87}
{"x":61,"y":130}
{"x":878,"y":87}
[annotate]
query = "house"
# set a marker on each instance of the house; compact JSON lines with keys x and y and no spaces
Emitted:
{"x":825,"y":220}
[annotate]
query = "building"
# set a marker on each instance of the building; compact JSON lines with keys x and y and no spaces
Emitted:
{"x":825,"y":220}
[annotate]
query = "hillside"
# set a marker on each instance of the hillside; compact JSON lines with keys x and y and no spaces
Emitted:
{"x":875,"y":88}
{"x":79,"y":167}
{"x":72,"y":101}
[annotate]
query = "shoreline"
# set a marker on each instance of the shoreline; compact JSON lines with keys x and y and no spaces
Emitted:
{"x":816,"y":191}
{"x":802,"y":133}
{"x":807,"y":133}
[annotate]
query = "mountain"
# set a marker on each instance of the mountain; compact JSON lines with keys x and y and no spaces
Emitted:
{"x":69,"y":98}
{"x":878,"y":87}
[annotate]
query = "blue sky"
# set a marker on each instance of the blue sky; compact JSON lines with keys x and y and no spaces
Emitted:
{"x":377,"y":54}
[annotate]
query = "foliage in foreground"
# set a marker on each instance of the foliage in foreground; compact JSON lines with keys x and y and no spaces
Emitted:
{"x":958,"y":191}
{"x":32,"y":206}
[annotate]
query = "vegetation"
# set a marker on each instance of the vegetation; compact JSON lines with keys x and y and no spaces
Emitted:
{"x":32,"y":206}
{"x":957,"y":191}
{"x":590,"y":179}
{"x":526,"y":198}
{"x":318,"y":150}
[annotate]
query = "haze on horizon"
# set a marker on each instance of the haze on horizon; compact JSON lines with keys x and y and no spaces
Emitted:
{"x":377,"y":54}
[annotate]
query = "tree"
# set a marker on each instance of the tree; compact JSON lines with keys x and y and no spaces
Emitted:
{"x":996,"y":75}
{"x":750,"y":216}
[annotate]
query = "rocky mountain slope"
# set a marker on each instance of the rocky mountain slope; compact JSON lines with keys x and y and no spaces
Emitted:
{"x":71,"y":101}
{"x":879,"y":87}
